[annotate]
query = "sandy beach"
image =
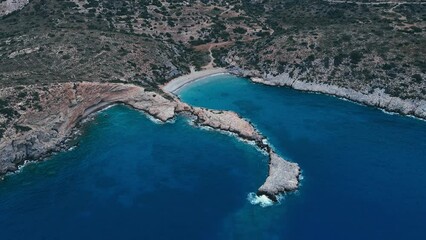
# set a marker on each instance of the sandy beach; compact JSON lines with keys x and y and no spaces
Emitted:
{"x":174,"y":85}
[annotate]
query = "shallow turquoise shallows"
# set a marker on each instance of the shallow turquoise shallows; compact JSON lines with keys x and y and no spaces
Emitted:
{"x":364,"y":174}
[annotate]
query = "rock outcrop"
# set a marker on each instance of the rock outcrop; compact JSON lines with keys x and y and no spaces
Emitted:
{"x":36,"y":132}
{"x":283,"y":176}
{"x":228,"y":121}
{"x":10,"y":6}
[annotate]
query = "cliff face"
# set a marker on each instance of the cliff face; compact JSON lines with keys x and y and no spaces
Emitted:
{"x":34,"y":132}
{"x":10,"y":6}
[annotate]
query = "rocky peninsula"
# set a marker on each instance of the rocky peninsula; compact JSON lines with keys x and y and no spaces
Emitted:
{"x":36,"y":132}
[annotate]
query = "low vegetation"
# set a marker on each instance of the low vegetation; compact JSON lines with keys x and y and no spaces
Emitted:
{"x":358,"y":46}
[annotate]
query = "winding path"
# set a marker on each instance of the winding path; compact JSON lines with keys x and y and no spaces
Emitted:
{"x":209,"y":47}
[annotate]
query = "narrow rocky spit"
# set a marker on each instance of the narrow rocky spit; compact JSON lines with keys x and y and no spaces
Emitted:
{"x":63,"y":106}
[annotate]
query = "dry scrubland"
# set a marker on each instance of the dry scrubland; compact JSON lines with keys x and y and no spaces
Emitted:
{"x":359,"y":45}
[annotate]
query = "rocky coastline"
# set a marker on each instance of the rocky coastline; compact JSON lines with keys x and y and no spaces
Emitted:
{"x":378,"y":98}
{"x":64,"y":106}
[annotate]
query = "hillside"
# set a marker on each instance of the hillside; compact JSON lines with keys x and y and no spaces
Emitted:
{"x":364,"y":47}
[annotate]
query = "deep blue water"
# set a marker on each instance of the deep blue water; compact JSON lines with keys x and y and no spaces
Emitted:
{"x":129,"y":178}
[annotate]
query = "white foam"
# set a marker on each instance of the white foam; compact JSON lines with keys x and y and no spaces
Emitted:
{"x":191,"y":122}
{"x":71,"y":148}
{"x":261,"y":200}
{"x":379,"y":108}
{"x":20,"y":167}
{"x":388,"y":112}
{"x":152,"y":118}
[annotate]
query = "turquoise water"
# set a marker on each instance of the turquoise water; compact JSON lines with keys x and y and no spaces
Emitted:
{"x":129,"y":178}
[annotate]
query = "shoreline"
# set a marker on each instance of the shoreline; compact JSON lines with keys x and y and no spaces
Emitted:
{"x":174,"y":85}
{"x":256,"y":80}
{"x":75,"y":131}
{"x":52,"y":127}
{"x":379,"y":100}
{"x":387,"y":104}
{"x":414,"y":108}
{"x":283,"y":175}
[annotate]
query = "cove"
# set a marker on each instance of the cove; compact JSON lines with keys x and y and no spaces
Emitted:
{"x":134,"y":179}
{"x":129,"y":178}
{"x":364,"y":171}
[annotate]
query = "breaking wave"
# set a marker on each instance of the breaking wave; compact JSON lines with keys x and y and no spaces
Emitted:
{"x":261,"y":200}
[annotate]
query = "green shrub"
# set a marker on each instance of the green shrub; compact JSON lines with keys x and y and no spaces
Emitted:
{"x":21,"y":128}
{"x":417,"y":78}
{"x":239,"y":30}
{"x":338,"y":59}
{"x":356,"y":57}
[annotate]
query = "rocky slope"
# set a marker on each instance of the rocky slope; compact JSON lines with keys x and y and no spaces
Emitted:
{"x":34,"y":131}
{"x":368,"y":53}
{"x":10,"y":6}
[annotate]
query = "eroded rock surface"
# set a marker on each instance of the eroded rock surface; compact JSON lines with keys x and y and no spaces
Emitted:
{"x":10,"y":6}
{"x":227,"y":121}
{"x":283,"y":176}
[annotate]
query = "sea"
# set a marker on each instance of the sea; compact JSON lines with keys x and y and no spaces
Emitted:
{"x":363,"y":173}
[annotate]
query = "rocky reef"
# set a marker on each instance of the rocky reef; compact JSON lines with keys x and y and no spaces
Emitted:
{"x":35,"y":132}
